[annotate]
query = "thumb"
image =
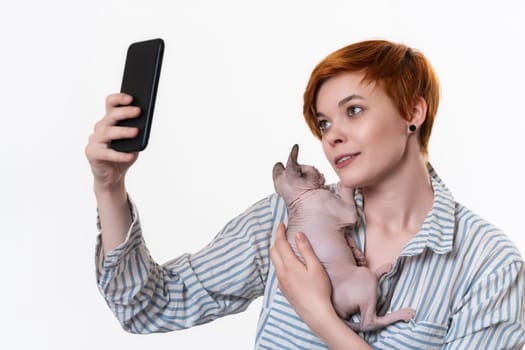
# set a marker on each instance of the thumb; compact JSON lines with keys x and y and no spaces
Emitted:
{"x":306,"y":250}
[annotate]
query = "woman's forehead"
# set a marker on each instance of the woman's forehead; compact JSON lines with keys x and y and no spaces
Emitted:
{"x":341,"y":87}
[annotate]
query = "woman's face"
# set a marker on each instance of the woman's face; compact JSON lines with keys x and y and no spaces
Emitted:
{"x":364,"y":136}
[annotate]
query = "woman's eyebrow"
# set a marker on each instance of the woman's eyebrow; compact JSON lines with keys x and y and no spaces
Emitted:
{"x":342,"y":102}
{"x":349,"y":98}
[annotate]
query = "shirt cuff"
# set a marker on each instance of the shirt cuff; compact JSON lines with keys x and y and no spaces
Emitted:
{"x":132,"y":241}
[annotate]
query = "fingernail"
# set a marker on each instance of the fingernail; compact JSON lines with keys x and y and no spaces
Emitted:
{"x":299,"y":236}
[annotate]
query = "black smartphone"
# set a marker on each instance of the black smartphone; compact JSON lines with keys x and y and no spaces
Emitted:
{"x":140,"y":80}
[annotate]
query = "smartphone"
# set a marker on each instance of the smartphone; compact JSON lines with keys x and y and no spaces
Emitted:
{"x":140,"y":80}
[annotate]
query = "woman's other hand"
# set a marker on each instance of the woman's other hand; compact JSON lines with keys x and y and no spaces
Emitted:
{"x":308,"y":289}
{"x":305,"y":285}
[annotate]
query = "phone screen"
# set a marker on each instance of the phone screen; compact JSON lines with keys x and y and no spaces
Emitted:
{"x":140,"y":80}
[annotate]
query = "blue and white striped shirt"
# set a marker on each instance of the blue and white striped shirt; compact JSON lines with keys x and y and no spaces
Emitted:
{"x":463,"y":276}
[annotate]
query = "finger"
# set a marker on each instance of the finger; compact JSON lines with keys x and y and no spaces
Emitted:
{"x":100,"y":154}
{"x":280,"y":236}
{"x":116,"y":114}
{"x":103,"y":134}
{"x":283,"y":252}
{"x":117,"y":132}
{"x":276,"y":258}
{"x":101,"y":138}
{"x":283,"y":256}
{"x":119,"y":157}
{"x":305,"y":249}
{"x":283,"y":247}
{"x":120,"y":113}
{"x":119,"y":99}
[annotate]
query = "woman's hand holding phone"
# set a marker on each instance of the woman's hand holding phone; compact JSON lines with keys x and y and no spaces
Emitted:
{"x":109,"y":167}
{"x":120,"y":135}
{"x":124,"y":130}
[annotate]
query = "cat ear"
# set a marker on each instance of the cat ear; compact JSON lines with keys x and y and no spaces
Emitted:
{"x":292,"y":164}
{"x":278,"y":169}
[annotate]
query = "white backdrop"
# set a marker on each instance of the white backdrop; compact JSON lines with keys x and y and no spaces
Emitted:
{"x":229,"y":107}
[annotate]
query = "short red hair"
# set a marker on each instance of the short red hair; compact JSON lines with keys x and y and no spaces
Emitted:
{"x":404,"y":74}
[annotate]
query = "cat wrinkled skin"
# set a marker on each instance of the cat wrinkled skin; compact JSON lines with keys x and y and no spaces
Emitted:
{"x":323,"y":217}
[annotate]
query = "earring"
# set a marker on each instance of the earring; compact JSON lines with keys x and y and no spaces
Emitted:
{"x":412,"y":128}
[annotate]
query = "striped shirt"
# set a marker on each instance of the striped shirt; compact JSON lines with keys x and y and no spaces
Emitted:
{"x":462,"y":275}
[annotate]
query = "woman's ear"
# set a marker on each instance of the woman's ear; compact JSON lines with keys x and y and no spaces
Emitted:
{"x":418,"y":113}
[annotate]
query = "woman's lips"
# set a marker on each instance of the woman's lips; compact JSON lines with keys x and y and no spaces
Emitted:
{"x":344,"y":159}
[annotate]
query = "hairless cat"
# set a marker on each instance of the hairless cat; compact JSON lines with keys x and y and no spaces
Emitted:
{"x":322,"y":216}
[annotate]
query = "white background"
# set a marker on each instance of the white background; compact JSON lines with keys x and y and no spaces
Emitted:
{"x":229,"y":107}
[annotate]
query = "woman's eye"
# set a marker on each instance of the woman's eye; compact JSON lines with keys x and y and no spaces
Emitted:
{"x":323,"y":125}
{"x":354,"y":110}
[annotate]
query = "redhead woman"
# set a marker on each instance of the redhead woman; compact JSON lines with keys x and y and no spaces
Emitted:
{"x":372,"y":105}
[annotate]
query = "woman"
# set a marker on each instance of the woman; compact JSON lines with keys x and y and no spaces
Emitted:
{"x":372,"y":104}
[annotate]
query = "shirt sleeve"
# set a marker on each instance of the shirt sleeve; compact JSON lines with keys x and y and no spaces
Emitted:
{"x":223,"y":278}
{"x":492,"y":314}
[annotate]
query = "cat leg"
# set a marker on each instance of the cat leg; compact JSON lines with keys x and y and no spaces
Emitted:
{"x":370,"y":321}
{"x":359,"y":257}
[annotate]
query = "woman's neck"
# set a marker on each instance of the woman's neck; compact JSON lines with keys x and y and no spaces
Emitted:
{"x":399,"y":204}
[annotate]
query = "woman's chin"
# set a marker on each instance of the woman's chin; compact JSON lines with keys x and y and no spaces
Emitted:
{"x":350,"y":181}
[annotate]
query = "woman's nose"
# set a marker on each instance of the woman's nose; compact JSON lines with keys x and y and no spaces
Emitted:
{"x":336,"y":134}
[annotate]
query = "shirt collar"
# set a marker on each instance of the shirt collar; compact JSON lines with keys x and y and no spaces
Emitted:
{"x":437,"y":231}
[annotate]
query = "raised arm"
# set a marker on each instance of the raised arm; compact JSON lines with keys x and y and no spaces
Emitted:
{"x":221,"y":279}
{"x":109,"y":169}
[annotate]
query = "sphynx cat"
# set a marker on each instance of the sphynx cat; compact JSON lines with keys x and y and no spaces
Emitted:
{"x":322,"y":216}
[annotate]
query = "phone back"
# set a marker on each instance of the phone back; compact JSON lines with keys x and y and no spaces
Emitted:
{"x":140,"y":80}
